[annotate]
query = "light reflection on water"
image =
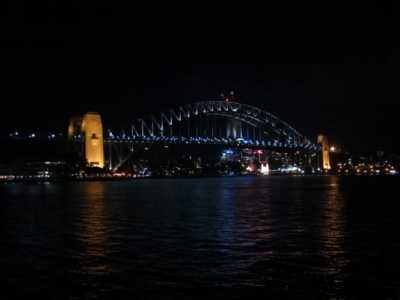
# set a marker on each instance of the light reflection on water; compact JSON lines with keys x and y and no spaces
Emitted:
{"x":333,"y":232}
{"x":94,"y":228}
{"x":284,"y":233}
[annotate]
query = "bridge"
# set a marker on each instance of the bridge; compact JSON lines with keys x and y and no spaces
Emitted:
{"x":217,"y":122}
{"x":226,"y":123}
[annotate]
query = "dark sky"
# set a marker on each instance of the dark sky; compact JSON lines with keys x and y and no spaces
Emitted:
{"x":332,"y":69}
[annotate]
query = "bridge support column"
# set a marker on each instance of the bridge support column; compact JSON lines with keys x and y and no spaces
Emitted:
{"x":234,"y":128}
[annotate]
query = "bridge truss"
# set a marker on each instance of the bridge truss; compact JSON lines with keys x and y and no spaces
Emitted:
{"x":213,"y":122}
{"x":225,"y":123}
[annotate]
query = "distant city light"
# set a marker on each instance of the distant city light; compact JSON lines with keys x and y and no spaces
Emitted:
{"x":332,"y":149}
{"x":249,"y":169}
{"x":264,"y":169}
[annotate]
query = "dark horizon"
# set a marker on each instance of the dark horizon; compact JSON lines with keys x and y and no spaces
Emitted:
{"x":340,"y":80}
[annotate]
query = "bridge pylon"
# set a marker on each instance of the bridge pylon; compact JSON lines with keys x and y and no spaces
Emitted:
{"x":326,"y":162}
{"x":90,"y":128}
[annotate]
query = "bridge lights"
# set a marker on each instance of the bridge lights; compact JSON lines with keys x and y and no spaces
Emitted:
{"x":227,"y":152}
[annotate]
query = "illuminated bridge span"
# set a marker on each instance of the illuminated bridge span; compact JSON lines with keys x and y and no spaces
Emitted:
{"x":213,"y":122}
{"x":221,"y":123}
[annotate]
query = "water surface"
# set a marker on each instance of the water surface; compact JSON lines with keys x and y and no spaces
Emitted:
{"x":322,"y":236}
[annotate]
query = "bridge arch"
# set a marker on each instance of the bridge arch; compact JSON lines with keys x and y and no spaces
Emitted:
{"x":269,"y":127}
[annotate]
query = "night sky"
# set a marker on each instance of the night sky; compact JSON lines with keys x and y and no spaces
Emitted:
{"x":331,"y":69}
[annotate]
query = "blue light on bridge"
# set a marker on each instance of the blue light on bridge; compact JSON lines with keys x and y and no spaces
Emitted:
{"x":226,"y":152}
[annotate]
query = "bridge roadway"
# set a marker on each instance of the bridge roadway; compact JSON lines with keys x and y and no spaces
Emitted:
{"x":231,"y":142}
{"x":123,"y":139}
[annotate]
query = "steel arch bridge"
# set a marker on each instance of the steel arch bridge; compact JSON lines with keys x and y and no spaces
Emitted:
{"x":214,"y":122}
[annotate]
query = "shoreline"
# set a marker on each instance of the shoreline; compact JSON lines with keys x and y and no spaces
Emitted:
{"x":94,"y":179}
